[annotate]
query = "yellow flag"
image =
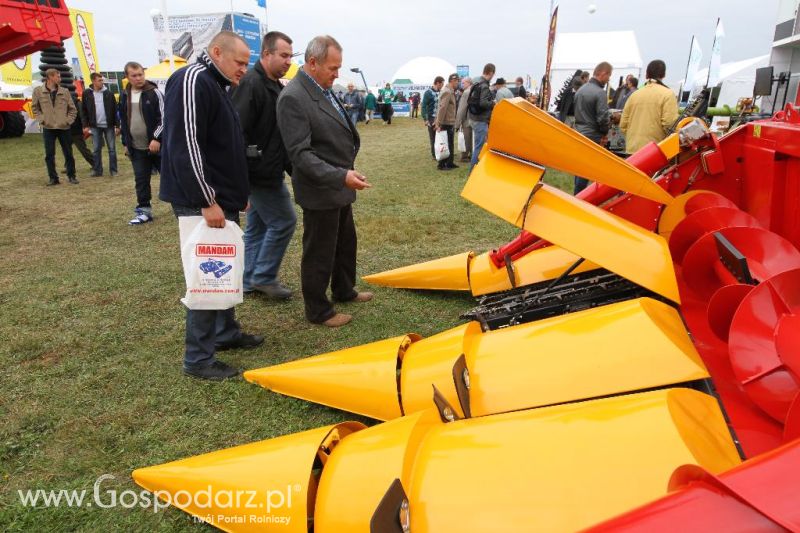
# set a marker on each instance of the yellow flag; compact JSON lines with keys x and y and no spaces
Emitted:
{"x":17,"y":72}
{"x":83,"y":35}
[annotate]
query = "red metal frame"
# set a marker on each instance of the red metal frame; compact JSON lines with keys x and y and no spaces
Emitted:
{"x":28,"y":27}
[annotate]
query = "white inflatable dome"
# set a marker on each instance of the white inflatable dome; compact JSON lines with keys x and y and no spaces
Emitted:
{"x":422,"y":70}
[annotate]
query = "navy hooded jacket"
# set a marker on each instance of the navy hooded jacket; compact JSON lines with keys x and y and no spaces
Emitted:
{"x":203,"y":152}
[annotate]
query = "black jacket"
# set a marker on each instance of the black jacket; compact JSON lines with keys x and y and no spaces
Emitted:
{"x":486,"y":101}
{"x":203,"y":154}
{"x":256,"y":99}
{"x":322,"y":145}
{"x":152,"y":104}
{"x":109,"y":103}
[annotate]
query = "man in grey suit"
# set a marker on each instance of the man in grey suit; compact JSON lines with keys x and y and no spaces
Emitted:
{"x":322,"y":143}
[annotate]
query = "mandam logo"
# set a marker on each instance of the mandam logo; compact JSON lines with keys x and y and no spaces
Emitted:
{"x":86,"y":44}
{"x":218,"y":250}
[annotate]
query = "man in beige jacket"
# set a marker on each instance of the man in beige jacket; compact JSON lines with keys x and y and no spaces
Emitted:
{"x":446,"y":119}
{"x":650,"y":111}
{"x":53,"y":107}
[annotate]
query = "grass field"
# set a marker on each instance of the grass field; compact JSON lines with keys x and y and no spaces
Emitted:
{"x":92,"y":327}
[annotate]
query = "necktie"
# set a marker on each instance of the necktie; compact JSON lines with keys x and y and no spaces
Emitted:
{"x":334,"y":103}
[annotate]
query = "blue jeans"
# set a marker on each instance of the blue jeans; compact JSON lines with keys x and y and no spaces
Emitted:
{"x":65,"y":140}
{"x":270,"y":226}
{"x":480,"y":130}
{"x":98,"y":135}
{"x":206,"y":329}
{"x":354,"y":115}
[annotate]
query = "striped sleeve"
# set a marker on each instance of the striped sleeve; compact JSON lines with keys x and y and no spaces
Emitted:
{"x":160,"y":128}
{"x":192,"y":127}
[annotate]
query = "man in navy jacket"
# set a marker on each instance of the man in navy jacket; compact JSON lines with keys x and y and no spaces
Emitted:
{"x":204,"y":172}
{"x":141,"y":106}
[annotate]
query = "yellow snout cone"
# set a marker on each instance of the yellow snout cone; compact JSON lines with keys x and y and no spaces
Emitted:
{"x":559,"y":468}
{"x":565,"y":358}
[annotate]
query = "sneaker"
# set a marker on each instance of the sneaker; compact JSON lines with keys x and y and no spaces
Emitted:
{"x":142,"y":217}
{"x":53,"y":182}
{"x":276,"y":291}
{"x":216,"y":371}
{"x":73,"y":181}
{"x":244,"y":342}
{"x":338,"y":320}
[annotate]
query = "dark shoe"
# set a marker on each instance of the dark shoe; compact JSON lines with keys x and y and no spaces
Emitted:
{"x":452,"y":165}
{"x":53,"y":182}
{"x":338,"y":320}
{"x":95,"y":175}
{"x":244,"y":342}
{"x":276,"y":291}
{"x":466,"y":158}
{"x":114,"y":174}
{"x":216,"y":371}
{"x":444,"y":168}
{"x":73,"y":181}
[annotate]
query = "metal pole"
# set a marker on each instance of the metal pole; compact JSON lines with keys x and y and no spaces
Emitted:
{"x":165,"y":18}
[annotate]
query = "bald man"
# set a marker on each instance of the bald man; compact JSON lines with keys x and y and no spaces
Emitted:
{"x":204,"y":173}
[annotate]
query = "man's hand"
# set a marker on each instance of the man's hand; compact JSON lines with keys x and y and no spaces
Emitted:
{"x":125,"y":150}
{"x":214,"y":216}
{"x":85,"y":131}
{"x":356,"y":181}
{"x":154,"y":147}
{"x":116,"y":130}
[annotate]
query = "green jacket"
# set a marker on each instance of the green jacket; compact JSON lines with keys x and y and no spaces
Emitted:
{"x":370,"y":102}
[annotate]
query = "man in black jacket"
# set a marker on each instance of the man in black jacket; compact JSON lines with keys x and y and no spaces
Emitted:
{"x":322,"y":143}
{"x":100,"y":110}
{"x":141,"y":107}
{"x":204,"y":173}
{"x":480,"y":106}
{"x":271,"y":219}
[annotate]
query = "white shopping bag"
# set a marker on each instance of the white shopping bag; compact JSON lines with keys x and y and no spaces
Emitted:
{"x":462,"y":143}
{"x":440,"y":147}
{"x":213,"y":264}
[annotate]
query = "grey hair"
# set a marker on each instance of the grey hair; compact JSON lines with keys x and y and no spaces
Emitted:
{"x":318,"y":47}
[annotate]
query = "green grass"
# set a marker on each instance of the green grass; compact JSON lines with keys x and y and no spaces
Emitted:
{"x":92,"y":327}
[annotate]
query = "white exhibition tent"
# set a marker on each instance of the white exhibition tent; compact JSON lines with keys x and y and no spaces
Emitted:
{"x":422,"y":70}
{"x":737,"y":79}
{"x":583,"y":51}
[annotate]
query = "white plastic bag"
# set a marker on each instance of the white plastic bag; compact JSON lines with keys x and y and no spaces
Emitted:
{"x":440,"y":147}
{"x":213,"y":264}
{"x":462,"y":143}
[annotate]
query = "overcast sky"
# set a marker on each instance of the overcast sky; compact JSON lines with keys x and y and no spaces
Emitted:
{"x":510,"y":33}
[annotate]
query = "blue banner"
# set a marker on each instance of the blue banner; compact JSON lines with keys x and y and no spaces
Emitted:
{"x":250,"y":30}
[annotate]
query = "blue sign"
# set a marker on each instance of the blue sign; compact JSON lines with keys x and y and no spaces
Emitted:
{"x":462,"y":71}
{"x":250,"y":30}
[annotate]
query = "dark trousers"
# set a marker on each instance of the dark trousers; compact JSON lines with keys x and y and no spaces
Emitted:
{"x":386,"y":112}
{"x":205,"y":329}
{"x":143,"y":164}
{"x":329,"y":258}
{"x":414,"y":111}
{"x":448,"y":161}
{"x":65,"y":140}
{"x":580,"y":184}
{"x":80,"y":144}
{"x":432,"y":138}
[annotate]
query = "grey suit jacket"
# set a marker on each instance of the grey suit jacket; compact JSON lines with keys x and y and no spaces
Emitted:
{"x":322,"y":145}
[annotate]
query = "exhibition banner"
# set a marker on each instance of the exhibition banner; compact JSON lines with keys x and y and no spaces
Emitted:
{"x":189,"y":35}
{"x":17,"y":72}
{"x":83,"y":37}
